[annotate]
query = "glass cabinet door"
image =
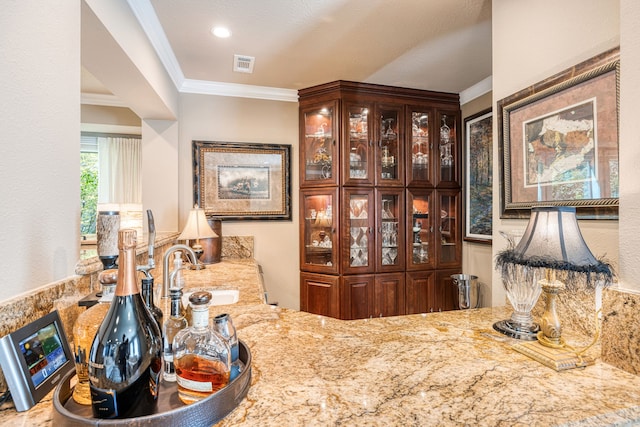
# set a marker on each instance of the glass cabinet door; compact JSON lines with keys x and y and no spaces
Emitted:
{"x":391,"y":229}
{"x":358,"y":239}
{"x":319,"y":148}
{"x":448,"y":151}
{"x":318,"y":230}
{"x":358,"y":154}
{"x":389,"y":165}
{"x":449,"y":228}
{"x":419,"y":141}
{"x":420,"y":229}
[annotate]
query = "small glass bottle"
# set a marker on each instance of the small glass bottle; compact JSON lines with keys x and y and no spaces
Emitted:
{"x":223,"y":324}
{"x":201,"y":356}
{"x":174,"y":324}
{"x":84,"y":330}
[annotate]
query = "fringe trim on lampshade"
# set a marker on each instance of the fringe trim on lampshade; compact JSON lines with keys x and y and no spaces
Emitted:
{"x":573,"y":276}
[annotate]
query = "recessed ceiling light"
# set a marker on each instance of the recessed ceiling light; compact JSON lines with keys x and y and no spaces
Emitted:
{"x":221,"y":32}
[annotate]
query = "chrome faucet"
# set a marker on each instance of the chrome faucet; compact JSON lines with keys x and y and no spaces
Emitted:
{"x":166,"y":274}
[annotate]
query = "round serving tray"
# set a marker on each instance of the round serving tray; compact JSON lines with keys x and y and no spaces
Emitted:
{"x":171,"y":411}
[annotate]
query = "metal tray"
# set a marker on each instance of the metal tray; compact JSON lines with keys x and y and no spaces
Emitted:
{"x":171,"y":411}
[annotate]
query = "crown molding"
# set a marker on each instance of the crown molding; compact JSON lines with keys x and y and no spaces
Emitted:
{"x":107,"y":128}
{"x":146,"y":16}
{"x":101,"y":99}
{"x":204,"y":87}
{"x":477,"y":90}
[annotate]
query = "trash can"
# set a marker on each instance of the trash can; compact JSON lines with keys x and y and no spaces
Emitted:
{"x":468,"y":290}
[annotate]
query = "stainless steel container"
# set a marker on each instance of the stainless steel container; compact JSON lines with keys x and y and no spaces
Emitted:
{"x":468,"y":290}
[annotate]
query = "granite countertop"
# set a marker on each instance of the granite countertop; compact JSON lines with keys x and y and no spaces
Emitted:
{"x":446,"y":368}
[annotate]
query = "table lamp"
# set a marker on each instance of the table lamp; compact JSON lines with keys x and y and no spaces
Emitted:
{"x":197,"y":228}
{"x":553,"y":256}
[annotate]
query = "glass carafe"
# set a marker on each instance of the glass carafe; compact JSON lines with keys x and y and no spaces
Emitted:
{"x":419,"y":146}
{"x":201,"y":356}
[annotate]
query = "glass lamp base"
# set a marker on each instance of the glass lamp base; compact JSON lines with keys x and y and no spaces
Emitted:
{"x":527,"y":332}
{"x":109,"y":262}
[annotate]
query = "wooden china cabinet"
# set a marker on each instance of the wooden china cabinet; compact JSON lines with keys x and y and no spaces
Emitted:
{"x":380,"y":200}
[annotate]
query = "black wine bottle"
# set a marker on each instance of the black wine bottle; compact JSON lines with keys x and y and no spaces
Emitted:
{"x":125,"y":361}
{"x":147,"y":296}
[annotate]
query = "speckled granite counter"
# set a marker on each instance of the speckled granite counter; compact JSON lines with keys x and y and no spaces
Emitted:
{"x":420,"y":370}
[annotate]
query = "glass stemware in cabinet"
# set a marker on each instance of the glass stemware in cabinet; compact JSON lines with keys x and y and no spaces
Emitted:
{"x":318,"y":230}
{"x":421,"y":230}
{"x":318,"y":144}
{"x":389,"y":232}
{"x":388,"y":144}
{"x":446,"y":158}
{"x":420,"y":145}
{"x":449,"y":227}
{"x":358,"y":142}
{"x":358,"y":231}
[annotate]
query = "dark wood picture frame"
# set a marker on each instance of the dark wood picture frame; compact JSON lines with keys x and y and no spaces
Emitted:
{"x":478,"y":182}
{"x":242,"y":181}
{"x":558,"y":142}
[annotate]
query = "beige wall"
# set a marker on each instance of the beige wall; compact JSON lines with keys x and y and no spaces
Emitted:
{"x":117,"y":116}
{"x":476,"y":257}
{"x":160,"y":179}
{"x":214,"y":118}
{"x":629,"y":145}
{"x":39,"y":148}
{"x":527,"y":50}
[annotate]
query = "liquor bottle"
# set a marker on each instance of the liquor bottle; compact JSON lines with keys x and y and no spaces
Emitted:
{"x":201,"y":356}
{"x":223,"y":324}
{"x":147,"y":295}
{"x":84,"y":331}
{"x":174,"y":324}
{"x":125,"y":361}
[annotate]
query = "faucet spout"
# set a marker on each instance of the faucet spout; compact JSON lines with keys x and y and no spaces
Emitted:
{"x":166,"y":274}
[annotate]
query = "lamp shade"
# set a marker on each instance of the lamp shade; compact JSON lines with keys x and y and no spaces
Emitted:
{"x":197,"y":226}
{"x":553,"y":234}
{"x":553,"y":240}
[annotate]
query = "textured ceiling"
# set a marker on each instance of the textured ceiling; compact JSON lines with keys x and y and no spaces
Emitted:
{"x":440,"y":45}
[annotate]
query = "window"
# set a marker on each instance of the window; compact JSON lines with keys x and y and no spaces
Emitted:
{"x":88,"y":186}
{"x":110,"y":168}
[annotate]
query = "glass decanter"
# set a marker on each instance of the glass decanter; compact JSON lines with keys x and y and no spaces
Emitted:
{"x":201,"y":356}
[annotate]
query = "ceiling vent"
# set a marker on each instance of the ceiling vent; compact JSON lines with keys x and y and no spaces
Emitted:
{"x":243,"y":63}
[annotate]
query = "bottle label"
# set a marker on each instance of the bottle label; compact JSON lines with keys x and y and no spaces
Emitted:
{"x":194,"y":385}
{"x":200,"y":318}
{"x":104,"y":403}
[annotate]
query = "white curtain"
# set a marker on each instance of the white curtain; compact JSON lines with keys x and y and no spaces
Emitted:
{"x":120,"y":179}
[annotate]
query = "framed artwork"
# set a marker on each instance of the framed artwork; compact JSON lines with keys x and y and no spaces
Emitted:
{"x":558,"y":142}
{"x":479,"y":177}
{"x":242,"y":181}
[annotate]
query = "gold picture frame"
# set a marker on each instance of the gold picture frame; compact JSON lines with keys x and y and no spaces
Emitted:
{"x":242,"y":181}
{"x":558,"y":142}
